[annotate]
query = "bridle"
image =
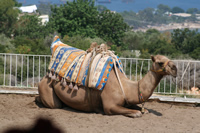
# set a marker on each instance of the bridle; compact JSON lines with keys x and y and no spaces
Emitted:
{"x":140,"y":96}
{"x":163,"y":69}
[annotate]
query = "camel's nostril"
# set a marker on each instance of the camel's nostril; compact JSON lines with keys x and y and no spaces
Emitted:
{"x":173,"y":67}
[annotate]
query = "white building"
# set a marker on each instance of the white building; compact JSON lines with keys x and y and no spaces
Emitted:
{"x":31,"y":10}
{"x":182,"y":15}
{"x":28,"y":9}
{"x":45,"y":18}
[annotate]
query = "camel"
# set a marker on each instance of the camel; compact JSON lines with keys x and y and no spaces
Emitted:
{"x":114,"y":99}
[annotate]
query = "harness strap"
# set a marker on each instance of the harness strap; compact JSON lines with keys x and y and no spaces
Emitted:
{"x":141,"y":99}
{"x":90,"y":65}
{"x":115,"y":59}
{"x":120,"y":82}
{"x":162,"y":69}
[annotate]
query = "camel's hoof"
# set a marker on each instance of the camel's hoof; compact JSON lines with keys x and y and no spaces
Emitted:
{"x":135,"y":115}
{"x":138,"y":114}
{"x":145,"y":111}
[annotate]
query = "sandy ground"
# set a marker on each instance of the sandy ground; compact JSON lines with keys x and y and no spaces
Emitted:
{"x":21,"y":111}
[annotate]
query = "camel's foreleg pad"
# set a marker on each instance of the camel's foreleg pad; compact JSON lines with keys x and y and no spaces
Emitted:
{"x":119,"y":110}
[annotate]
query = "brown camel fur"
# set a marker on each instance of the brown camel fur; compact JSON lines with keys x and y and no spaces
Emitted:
{"x":111,"y":99}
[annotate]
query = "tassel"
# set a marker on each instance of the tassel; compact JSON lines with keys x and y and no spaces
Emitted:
{"x":64,"y":83}
{"x":53,"y":77}
{"x":50,"y":74}
{"x":62,"y":80}
{"x":142,"y":110}
{"x":47,"y":74}
{"x":57,"y":78}
{"x":76,"y":87}
{"x":71,"y":86}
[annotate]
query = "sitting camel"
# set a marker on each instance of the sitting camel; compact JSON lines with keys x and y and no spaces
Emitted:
{"x":118,"y":93}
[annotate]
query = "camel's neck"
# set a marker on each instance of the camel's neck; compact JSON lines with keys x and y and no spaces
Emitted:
{"x":146,"y":86}
{"x":148,"y":83}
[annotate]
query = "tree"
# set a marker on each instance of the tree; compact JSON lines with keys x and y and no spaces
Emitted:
{"x":192,"y":10}
{"x":192,"y":18}
{"x":186,"y":41}
{"x":78,"y":42}
{"x":44,"y":8}
{"x":8,"y":16}
{"x":166,"y":35}
{"x":75,"y":18}
{"x":132,"y":18}
{"x":179,"y":37}
{"x":164,"y":48}
{"x":133,"y":40}
{"x":196,"y":54}
{"x":5,"y":44}
{"x":151,"y":40}
{"x":31,"y":26}
{"x":82,"y":18}
{"x":17,"y":4}
{"x":111,"y":27}
{"x":147,"y":14}
{"x":25,"y":45}
{"x":101,"y":8}
{"x":192,"y":42}
{"x":177,"y":10}
{"x":163,"y":8}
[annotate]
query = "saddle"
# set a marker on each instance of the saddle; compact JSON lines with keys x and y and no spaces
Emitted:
{"x":90,"y":68}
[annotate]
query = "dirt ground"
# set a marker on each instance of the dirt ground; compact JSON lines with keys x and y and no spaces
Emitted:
{"x":21,"y":111}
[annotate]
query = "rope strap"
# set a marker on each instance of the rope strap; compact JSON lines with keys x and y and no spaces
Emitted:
{"x":162,"y":69}
{"x":120,"y":82}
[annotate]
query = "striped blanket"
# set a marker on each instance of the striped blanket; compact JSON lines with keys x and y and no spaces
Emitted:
{"x":79,"y":67}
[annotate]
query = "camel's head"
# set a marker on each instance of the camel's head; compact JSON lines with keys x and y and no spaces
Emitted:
{"x":163,"y":66}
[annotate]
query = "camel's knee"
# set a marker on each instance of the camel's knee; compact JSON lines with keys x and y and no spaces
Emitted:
{"x":50,"y":100}
{"x":37,"y":99}
{"x":47,"y":94}
{"x":107,"y":110}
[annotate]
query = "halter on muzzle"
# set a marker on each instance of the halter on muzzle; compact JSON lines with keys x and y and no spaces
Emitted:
{"x":163,"y":69}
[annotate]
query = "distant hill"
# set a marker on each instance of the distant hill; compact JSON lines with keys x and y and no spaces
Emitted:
{"x":127,"y":5}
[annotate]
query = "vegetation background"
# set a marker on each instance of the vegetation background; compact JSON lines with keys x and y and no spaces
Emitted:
{"x":79,"y":23}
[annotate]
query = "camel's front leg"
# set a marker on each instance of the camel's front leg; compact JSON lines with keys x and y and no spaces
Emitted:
{"x":119,"y":110}
{"x":47,"y":94}
{"x":138,"y":108}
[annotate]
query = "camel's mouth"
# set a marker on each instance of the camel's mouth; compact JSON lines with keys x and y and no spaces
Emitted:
{"x":173,"y":71}
{"x":173,"y":74}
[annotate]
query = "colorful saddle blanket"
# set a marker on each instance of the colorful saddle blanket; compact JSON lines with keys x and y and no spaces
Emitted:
{"x":73,"y":65}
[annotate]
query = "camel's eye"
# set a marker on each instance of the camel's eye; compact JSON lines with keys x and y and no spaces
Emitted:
{"x":160,"y":63}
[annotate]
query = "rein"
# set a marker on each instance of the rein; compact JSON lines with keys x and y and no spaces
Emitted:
{"x":122,"y":89}
{"x":140,"y":96}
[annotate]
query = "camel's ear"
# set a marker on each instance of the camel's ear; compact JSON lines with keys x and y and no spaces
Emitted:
{"x":153,"y":58}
